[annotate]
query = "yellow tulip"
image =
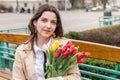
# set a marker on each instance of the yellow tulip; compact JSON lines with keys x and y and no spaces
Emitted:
{"x":55,"y":45}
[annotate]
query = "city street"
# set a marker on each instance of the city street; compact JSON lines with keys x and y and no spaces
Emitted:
{"x":77,"y":20}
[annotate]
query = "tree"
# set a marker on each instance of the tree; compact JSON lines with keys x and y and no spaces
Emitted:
{"x":46,"y":0}
{"x":17,"y":7}
{"x":82,"y":3}
{"x":72,"y":2}
{"x":75,"y":3}
{"x":94,"y":2}
{"x":104,"y":2}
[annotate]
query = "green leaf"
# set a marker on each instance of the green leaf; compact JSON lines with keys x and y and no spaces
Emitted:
{"x":57,"y":61}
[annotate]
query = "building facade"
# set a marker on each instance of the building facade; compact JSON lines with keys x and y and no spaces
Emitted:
{"x":17,"y":5}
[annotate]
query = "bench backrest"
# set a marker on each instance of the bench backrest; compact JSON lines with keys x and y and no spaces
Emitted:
{"x":99,"y":51}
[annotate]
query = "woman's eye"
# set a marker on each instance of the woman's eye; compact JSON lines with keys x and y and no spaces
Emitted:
{"x":54,"y":22}
{"x":44,"y":20}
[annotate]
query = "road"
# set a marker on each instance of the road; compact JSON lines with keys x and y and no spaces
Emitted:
{"x":77,"y":20}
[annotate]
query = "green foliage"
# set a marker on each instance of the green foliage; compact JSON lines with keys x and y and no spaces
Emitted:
{"x":107,"y":35}
{"x":72,"y":35}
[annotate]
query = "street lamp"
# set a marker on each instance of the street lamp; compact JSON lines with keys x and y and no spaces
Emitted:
{"x":17,"y":6}
{"x":65,"y":5}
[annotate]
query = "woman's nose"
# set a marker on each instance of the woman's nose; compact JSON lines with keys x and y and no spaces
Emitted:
{"x":48,"y":25}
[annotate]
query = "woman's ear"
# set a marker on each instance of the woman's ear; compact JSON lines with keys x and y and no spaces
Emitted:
{"x":35,"y":25}
{"x":35,"y":22}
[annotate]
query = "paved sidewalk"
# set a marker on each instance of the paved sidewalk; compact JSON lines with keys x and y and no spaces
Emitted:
{"x":77,"y":20}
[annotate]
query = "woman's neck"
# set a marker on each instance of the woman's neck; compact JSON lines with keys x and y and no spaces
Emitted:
{"x":41,"y":41}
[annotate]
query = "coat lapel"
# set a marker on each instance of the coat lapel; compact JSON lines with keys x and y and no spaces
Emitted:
{"x":29,"y":62}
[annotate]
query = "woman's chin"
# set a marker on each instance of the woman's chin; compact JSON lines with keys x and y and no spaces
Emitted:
{"x":46,"y":36}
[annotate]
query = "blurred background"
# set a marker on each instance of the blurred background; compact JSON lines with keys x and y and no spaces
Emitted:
{"x":29,"y":6}
{"x":77,"y":15}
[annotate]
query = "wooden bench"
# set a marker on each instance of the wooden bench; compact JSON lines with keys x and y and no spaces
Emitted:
{"x":98,"y":51}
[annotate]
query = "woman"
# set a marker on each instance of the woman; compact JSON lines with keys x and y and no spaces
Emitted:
{"x":45,"y":26}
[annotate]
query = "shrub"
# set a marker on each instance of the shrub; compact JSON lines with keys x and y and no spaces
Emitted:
{"x":72,"y":35}
{"x":107,"y":35}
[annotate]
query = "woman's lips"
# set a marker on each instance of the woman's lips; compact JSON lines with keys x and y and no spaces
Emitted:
{"x":47,"y":31}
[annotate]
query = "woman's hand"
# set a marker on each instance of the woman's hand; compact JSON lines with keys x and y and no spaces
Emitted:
{"x":51,"y":79}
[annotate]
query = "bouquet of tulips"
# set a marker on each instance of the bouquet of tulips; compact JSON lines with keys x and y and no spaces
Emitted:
{"x":62,"y":58}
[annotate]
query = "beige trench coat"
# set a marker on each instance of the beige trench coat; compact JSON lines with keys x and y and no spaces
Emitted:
{"x":23,"y":67}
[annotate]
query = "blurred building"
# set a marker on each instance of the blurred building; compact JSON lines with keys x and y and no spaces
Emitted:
{"x":19,"y":5}
{"x":116,"y":3}
{"x":31,"y":5}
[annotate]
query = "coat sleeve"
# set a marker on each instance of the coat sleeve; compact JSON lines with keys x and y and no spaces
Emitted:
{"x":18,"y":73}
{"x":73,"y":74}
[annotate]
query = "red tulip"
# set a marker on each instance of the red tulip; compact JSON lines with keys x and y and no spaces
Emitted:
{"x":87,"y":54}
{"x":80,"y":55}
{"x":57,"y":54}
{"x":74,"y":52}
{"x":64,"y":48}
{"x":65,"y":54}
{"x":73,"y":49}
{"x":69,"y":44}
{"x":80,"y":61}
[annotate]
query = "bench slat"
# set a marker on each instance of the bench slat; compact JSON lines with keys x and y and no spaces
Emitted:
{"x":99,"y":51}
{"x":100,"y":69}
{"x":13,"y":38}
{"x":97,"y":75}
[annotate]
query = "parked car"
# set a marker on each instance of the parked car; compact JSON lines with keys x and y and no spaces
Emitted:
{"x":97,"y":8}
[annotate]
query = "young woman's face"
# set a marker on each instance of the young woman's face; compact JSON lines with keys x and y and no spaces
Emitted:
{"x":46,"y":24}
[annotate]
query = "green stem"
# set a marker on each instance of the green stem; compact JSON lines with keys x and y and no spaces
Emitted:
{"x":69,"y":61}
{"x":58,"y":60}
